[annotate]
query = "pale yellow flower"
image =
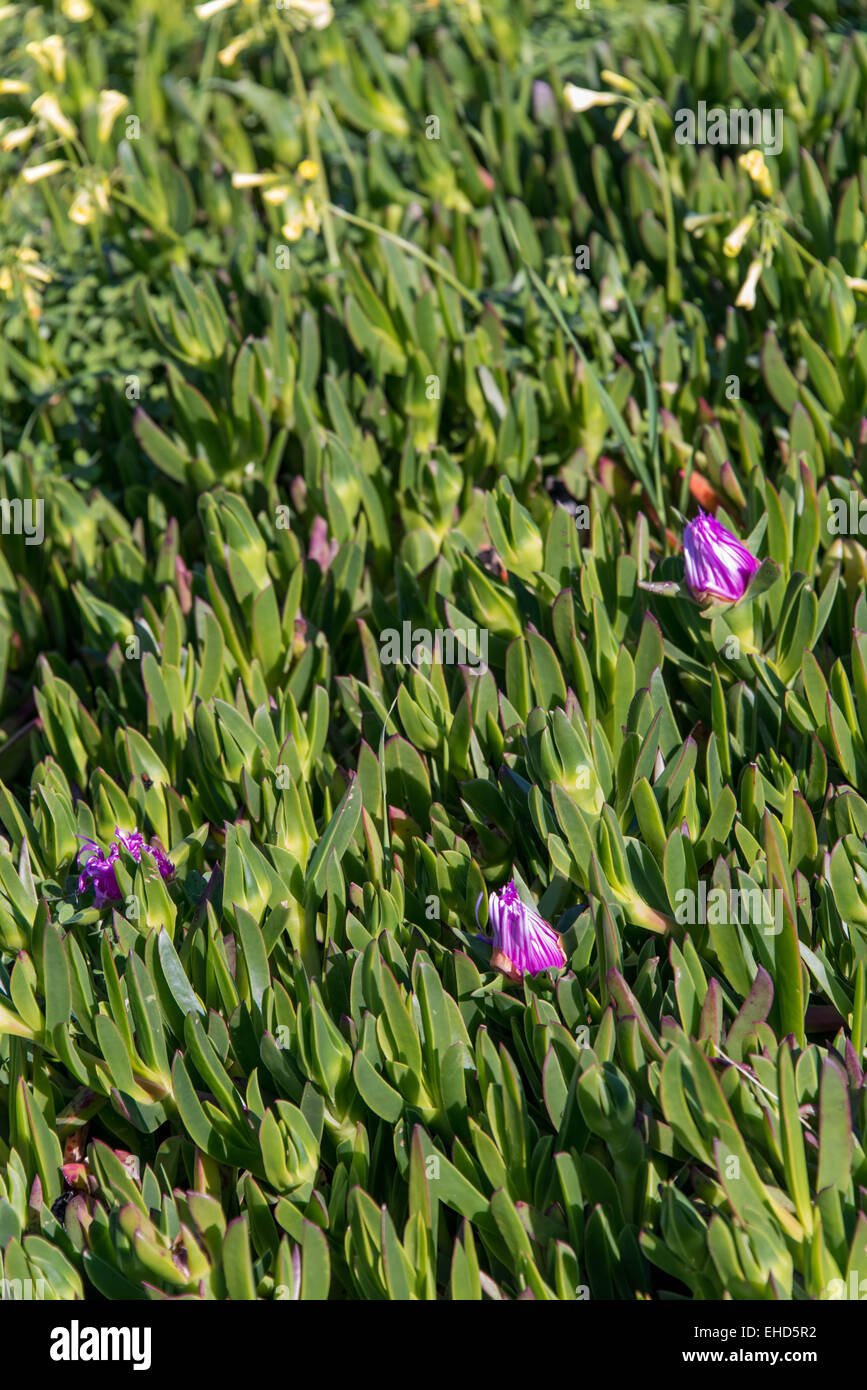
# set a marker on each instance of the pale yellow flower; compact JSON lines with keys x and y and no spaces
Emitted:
{"x":754,"y":163}
{"x":582,"y":98}
{"x":14,"y":139}
{"x":736,"y":238}
{"x":47,"y":108}
{"x":227,"y":55}
{"x":77,"y":10}
{"x":242,"y":180}
{"x":293,"y":230}
{"x":11,"y":87}
{"x":212,"y":7}
{"x":854,"y":282}
{"x":42,"y":171}
{"x":318,"y":13}
{"x":623,"y":84}
{"x":624,"y":121}
{"x":31,"y":299}
{"x":82,"y":208}
{"x":26,"y":277}
{"x":308,"y":170}
{"x":747,"y":294}
{"x":50,"y":54}
{"x":277,"y":195}
{"x":88,"y":201}
{"x":108,"y":108}
{"x":311,"y":216}
{"x":32,"y":266}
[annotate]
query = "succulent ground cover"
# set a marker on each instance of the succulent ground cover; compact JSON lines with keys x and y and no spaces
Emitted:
{"x":325,"y":332}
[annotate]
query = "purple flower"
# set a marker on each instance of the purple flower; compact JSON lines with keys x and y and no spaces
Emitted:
{"x":544,"y":103}
{"x":98,"y":873}
{"x":132,"y":841}
{"x":98,"y":869}
{"x":717,"y":565}
{"x":522,"y":942}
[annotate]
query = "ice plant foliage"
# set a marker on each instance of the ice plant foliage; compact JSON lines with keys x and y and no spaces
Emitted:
{"x":522,"y":942}
{"x":98,"y":869}
{"x":717,"y":565}
{"x":323,"y":1096}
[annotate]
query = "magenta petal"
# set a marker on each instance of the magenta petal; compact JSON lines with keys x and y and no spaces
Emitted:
{"x":97,"y":872}
{"x":716,"y":564}
{"x":521,"y":934}
{"x":131,"y":842}
{"x":164,"y":864}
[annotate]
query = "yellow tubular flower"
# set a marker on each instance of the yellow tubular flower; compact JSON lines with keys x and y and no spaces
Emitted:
{"x":32,"y":267}
{"x":623,"y":84}
{"x":754,"y":163}
{"x":14,"y":139}
{"x":736,"y":238}
{"x":81,"y":209}
{"x":624,"y":121}
{"x":212,"y":7}
{"x":747,"y":294}
{"x":11,"y":87}
{"x":108,"y":108}
{"x":242,"y":180}
{"x":293,"y":230}
{"x":318,"y":13}
{"x":31,"y":299}
{"x":47,"y":108}
{"x":50,"y":54}
{"x":227,"y":55}
{"x":79,"y":11}
{"x":43,"y":171}
{"x":311,"y":216}
{"x":582,"y":98}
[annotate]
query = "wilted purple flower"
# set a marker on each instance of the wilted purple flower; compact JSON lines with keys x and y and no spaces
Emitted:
{"x":133,"y":843}
{"x":522,"y":941}
{"x":717,"y":565}
{"x":98,"y":870}
{"x":98,"y":873}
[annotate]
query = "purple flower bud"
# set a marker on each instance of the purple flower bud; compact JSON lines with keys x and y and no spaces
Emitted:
{"x":717,"y":565}
{"x":522,"y":941}
{"x":544,"y":103}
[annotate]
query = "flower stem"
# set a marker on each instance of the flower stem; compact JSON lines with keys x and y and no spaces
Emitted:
{"x":667,"y":209}
{"x":312,"y":144}
{"x":413,"y":251}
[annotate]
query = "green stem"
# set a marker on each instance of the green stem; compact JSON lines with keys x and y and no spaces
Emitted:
{"x":413,"y":250}
{"x":343,"y":145}
{"x":667,"y":209}
{"x":312,"y":145}
{"x":801,"y":250}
